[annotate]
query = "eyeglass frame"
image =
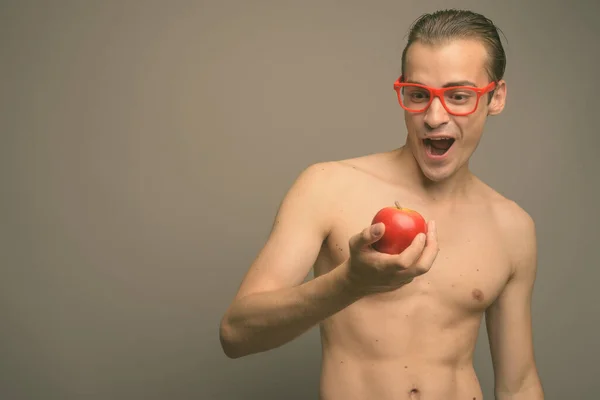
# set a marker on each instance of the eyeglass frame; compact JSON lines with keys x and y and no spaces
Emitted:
{"x":439,"y":93}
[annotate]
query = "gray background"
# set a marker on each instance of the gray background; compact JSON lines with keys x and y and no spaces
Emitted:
{"x":146,"y":146}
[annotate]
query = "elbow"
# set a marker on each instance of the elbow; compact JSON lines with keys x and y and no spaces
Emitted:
{"x":229,"y":344}
{"x":529,"y":387}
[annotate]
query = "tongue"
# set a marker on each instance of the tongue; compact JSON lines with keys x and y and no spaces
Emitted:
{"x":442,"y":144}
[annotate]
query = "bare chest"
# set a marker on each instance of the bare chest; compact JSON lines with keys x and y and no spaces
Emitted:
{"x":469,"y":272}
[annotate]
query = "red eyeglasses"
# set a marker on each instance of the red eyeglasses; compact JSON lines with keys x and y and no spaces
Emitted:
{"x":457,"y":100}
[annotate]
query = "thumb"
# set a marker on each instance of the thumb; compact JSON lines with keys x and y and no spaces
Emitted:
{"x":369,"y":235}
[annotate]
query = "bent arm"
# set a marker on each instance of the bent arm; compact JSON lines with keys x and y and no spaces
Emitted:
{"x":266,"y":320}
{"x":273,"y":306}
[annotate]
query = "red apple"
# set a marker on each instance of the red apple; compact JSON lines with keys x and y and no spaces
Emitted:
{"x":401,"y":227}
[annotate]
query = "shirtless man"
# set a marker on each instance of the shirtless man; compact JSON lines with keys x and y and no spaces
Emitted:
{"x":405,"y":326}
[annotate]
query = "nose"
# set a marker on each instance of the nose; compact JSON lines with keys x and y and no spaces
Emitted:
{"x":436,"y":115}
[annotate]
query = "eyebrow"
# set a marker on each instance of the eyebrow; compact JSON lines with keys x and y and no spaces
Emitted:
{"x":449,"y":84}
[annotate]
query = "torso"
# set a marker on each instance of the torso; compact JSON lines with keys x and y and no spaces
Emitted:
{"x":416,"y":342}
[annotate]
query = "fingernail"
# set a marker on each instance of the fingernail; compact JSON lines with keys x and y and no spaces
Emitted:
{"x":376,"y":229}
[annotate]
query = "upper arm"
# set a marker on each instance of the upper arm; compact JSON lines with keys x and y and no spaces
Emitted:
{"x":299,"y":228}
{"x":508,"y":319}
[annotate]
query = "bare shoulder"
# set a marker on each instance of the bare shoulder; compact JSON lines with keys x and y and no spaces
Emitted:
{"x":340,"y":170}
{"x":518,"y":230}
{"x":316,"y":179}
{"x":321,"y":182}
{"x":311,"y":192}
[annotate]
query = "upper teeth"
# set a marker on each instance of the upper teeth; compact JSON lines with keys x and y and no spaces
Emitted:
{"x":440,"y":138}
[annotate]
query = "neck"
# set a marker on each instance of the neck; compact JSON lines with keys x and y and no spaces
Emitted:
{"x":448,"y":190}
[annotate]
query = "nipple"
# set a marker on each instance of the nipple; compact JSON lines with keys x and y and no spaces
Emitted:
{"x":477,"y":294}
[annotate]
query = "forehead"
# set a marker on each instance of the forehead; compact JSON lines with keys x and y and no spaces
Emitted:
{"x":453,"y":61}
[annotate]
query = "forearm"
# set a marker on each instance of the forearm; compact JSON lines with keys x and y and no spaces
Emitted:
{"x":263,"y":321}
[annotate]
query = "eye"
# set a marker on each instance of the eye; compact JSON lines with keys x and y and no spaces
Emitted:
{"x":418,"y":95}
{"x":460,"y":96}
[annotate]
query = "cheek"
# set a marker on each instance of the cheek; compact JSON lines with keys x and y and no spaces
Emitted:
{"x":413,"y":122}
{"x":471,"y":127}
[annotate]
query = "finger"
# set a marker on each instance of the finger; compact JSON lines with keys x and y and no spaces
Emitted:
{"x":411,"y":254}
{"x":368,"y":236}
{"x":430,"y":252}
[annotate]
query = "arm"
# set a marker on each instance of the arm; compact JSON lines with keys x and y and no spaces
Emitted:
{"x":508,"y":319}
{"x":272,"y":305}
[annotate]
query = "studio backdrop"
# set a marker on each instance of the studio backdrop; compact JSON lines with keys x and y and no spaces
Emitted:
{"x":146,"y":145}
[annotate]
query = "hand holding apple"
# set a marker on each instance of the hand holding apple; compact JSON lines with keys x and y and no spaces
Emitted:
{"x":369,"y":270}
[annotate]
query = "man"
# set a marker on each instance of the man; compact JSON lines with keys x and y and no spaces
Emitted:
{"x":405,"y":326}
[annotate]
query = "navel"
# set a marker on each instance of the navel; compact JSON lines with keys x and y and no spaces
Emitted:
{"x":477,"y":294}
{"x":414,"y":394}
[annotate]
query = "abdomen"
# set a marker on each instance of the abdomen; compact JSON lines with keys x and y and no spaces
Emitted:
{"x":347,"y":378}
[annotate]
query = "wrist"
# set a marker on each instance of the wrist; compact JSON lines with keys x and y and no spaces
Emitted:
{"x":347,"y":285}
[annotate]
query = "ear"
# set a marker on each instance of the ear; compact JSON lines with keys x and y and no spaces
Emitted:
{"x":498,"y":99}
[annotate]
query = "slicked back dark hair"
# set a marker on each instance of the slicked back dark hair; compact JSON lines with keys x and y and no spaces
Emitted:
{"x":445,"y":25}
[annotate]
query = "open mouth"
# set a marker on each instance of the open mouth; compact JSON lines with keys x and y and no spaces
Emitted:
{"x":438,"y":147}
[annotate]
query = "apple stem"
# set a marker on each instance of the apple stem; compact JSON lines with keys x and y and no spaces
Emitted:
{"x":397,"y":204}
